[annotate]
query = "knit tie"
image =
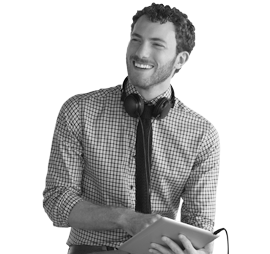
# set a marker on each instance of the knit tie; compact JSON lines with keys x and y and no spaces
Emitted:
{"x":143,"y":161}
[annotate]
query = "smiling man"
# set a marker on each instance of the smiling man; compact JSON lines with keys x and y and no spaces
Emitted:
{"x":152,"y":57}
{"x":123,"y":157}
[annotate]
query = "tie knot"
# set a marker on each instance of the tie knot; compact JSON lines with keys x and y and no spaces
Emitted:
{"x":147,"y":112}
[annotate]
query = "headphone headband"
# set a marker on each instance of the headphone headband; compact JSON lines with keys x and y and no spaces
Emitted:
{"x":134,"y":104}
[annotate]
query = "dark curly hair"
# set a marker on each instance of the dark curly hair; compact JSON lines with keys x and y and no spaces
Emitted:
{"x":184,"y":29}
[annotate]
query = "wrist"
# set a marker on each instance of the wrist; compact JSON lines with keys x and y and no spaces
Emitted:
{"x":123,"y":218}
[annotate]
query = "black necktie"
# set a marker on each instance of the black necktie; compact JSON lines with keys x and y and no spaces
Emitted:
{"x":143,"y":161}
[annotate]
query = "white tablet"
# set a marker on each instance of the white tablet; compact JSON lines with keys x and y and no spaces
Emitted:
{"x":140,"y":243}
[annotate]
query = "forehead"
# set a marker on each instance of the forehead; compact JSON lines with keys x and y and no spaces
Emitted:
{"x":148,"y":29}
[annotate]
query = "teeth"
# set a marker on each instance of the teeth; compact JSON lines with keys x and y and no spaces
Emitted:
{"x":143,"y":66}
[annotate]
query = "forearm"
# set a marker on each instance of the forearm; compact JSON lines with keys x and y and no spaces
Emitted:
{"x":88,"y":216}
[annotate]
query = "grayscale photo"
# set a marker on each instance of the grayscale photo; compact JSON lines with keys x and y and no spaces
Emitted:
{"x":135,"y":127}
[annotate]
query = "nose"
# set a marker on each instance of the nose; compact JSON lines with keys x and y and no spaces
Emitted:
{"x":143,"y":51}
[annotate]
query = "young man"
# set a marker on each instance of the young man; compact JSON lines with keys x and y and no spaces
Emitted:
{"x":116,"y":147}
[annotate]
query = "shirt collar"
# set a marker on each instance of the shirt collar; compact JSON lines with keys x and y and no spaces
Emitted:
{"x":131,"y":89}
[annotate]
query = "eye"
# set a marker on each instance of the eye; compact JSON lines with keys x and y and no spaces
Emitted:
{"x":135,"y":40}
{"x":158,"y":45}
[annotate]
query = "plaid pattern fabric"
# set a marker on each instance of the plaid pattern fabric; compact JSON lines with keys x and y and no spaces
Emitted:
{"x":93,"y":158}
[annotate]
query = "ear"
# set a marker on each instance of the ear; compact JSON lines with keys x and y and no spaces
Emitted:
{"x":181,"y":59}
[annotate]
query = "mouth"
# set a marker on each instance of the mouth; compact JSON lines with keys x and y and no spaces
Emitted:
{"x":142,"y":66}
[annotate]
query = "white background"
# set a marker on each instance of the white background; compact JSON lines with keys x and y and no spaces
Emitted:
{"x":21,"y":80}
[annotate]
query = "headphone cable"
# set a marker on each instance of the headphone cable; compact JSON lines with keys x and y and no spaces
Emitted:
{"x":218,"y":231}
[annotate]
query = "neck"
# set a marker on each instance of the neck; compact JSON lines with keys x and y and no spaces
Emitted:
{"x":151,"y":92}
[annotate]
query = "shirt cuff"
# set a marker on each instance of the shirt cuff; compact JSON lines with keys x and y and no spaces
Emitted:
{"x":68,"y":200}
{"x":206,"y":224}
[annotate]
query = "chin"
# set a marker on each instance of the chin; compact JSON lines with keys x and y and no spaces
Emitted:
{"x":142,"y":82}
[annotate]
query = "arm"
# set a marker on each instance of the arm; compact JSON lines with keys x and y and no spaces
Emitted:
{"x":88,"y":216}
{"x":62,"y":195}
{"x":198,"y":208}
{"x":66,"y":164}
{"x":199,"y":196}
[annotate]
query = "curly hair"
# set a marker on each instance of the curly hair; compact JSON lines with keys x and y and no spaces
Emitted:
{"x":184,"y":29}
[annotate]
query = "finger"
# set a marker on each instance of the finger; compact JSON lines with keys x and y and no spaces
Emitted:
{"x":154,"y":218}
{"x":154,"y":251}
{"x":187,"y":244}
{"x":173,"y":245}
{"x":209,"y":247}
{"x":157,"y":249}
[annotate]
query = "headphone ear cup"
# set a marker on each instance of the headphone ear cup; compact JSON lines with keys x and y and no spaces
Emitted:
{"x":162,"y":108}
{"x":134,"y":105}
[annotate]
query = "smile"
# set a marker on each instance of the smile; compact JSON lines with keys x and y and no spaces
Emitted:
{"x":142,"y":66}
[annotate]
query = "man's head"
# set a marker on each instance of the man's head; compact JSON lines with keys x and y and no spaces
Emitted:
{"x":184,"y":29}
{"x":161,"y":41}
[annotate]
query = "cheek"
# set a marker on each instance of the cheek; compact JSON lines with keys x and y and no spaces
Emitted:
{"x":133,"y":48}
{"x":130,"y":50}
{"x":165,"y":58}
{"x":161,"y":60}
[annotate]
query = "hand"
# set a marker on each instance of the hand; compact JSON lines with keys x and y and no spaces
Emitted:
{"x":173,"y":248}
{"x":134,"y":222}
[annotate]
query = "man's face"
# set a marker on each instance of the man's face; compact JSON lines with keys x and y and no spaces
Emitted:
{"x":151,"y":53}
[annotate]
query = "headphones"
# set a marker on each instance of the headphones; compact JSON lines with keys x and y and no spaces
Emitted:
{"x":134,"y":104}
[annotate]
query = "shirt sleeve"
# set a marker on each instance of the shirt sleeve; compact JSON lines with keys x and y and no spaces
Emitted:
{"x":199,"y":196}
{"x":63,"y":181}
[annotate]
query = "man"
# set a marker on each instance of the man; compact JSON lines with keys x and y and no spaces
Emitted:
{"x":101,"y":143}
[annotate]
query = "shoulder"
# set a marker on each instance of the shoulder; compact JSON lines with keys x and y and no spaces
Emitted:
{"x":183,"y":111}
{"x":97,"y":97}
{"x":101,"y":93}
{"x":193,"y":120}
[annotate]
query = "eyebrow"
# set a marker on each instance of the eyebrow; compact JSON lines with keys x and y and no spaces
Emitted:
{"x":152,"y":39}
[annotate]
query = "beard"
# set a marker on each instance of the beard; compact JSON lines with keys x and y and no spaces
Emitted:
{"x":147,"y":81}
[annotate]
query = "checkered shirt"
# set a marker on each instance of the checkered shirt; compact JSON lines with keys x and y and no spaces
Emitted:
{"x":93,"y":158}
